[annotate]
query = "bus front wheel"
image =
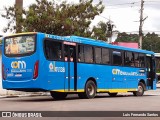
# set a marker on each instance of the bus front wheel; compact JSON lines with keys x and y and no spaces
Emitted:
{"x":140,"y":90}
{"x":90,"y":91}
{"x":58,"y":95}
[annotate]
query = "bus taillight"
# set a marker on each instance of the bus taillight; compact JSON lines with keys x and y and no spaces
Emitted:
{"x":36,"y":70}
{"x":3,"y":72}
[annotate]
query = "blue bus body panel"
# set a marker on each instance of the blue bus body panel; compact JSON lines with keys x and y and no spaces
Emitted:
{"x":52,"y":78}
{"x":21,"y":76}
{"x":124,"y":77}
{"x":101,"y":73}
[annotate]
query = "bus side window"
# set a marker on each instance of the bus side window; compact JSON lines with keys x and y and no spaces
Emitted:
{"x":105,"y":56}
{"x":136,"y":60}
{"x":117,"y":57}
{"x":98,"y":55}
{"x":128,"y":59}
{"x":141,"y":60}
{"x":65,"y":54}
{"x":88,"y":54}
{"x":53,"y":50}
{"x":72,"y":55}
{"x":80,"y":53}
{"x":59,"y":54}
{"x":47,"y":49}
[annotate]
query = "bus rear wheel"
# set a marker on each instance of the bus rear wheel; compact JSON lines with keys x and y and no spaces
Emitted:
{"x":112,"y":94}
{"x":90,"y":91}
{"x":58,"y":95}
{"x":140,"y":91}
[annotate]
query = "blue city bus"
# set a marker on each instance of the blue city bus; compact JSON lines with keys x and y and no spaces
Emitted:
{"x":64,"y":65}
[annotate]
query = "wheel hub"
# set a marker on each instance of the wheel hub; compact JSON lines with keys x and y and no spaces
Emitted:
{"x":140,"y":89}
{"x":90,"y":90}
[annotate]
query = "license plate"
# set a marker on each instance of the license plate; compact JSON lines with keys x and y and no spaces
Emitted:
{"x":18,"y":75}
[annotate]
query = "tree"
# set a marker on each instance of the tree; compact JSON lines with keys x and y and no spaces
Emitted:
{"x":100,"y":31}
{"x":60,"y":19}
{"x":151,"y":41}
{"x":124,"y":37}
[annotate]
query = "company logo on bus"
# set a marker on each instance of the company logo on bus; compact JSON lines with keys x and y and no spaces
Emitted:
{"x":114,"y":71}
{"x":18,"y":65}
{"x":120,"y":72}
{"x":53,"y":68}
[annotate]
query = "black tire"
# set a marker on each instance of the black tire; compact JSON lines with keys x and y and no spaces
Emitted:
{"x":112,"y":94}
{"x":140,"y":91}
{"x":58,"y":95}
{"x":90,"y":91}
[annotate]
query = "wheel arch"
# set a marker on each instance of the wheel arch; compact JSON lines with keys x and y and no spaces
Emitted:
{"x":92,"y":79}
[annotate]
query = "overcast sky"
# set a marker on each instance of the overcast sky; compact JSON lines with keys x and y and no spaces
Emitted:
{"x":124,"y":14}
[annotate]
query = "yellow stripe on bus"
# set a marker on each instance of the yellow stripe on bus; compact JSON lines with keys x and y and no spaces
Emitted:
{"x":25,"y":33}
{"x":71,"y":90}
{"x":115,"y":90}
{"x":98,"y":90}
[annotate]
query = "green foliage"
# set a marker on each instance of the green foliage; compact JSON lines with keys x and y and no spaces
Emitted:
{"x":124,"y":37}
{"x":60,"y":19}
{"x":151,"y":41}
{"x":100,"y":31}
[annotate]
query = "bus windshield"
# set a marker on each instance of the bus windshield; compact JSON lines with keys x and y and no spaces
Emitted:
{"x":19,"y":45}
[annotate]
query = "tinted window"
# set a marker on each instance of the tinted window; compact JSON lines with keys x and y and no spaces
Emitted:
{"x":141,"y":60}
{"x":80,"y":53}
{"x":98,"y":55}
{"x":105,"y":56}
{"x":53,"y":50}
{"x":158,"y":64}
{"x":88,"y":51}
{"x":136,"y":59}
{"x":129,"y":59}
{"x":117,"y":57}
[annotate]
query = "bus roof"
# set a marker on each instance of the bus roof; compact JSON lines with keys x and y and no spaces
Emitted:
{"x":105,"y":44}
{"x":25,"y":33}
{"x":84,"y":40}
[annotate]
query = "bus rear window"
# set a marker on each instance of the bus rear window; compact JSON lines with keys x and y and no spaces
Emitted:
{"x":19,"y":45}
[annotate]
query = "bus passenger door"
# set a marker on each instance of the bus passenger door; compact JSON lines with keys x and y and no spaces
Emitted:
{"x":150,"y":71}
{"x":71,"y":66}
